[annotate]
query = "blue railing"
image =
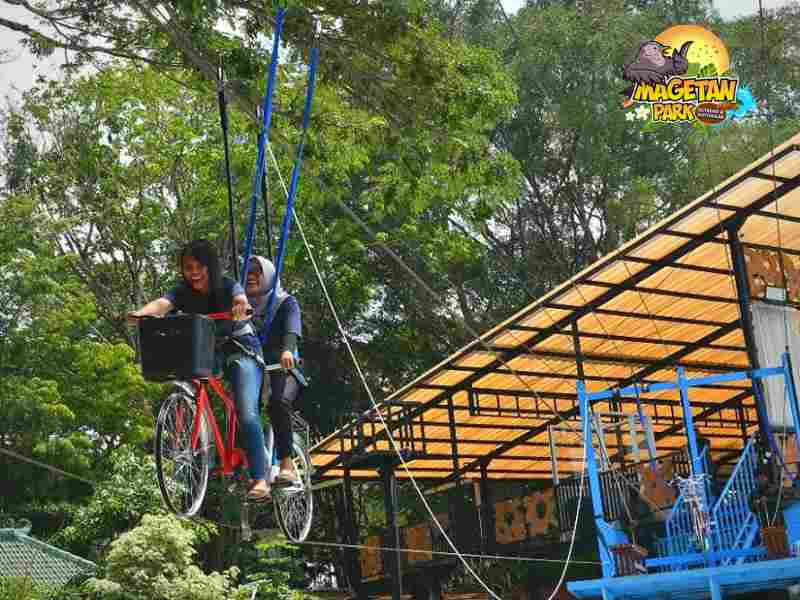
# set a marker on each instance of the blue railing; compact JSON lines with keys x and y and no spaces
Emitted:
{"x":733,"y":524}
{"x":681,"y":537}
{"x":681,"y":531}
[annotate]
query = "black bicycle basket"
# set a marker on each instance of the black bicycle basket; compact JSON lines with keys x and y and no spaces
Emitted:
{"x":177,"y":347}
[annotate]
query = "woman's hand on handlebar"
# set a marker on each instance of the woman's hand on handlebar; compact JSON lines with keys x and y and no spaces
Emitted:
{"x":241,"y":308}
{"x":156,"y":308}
{"x":287,"y":360}
{"x":241,"y":312}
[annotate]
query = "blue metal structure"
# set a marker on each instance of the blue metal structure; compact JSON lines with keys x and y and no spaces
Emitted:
{"x":694,"y":561}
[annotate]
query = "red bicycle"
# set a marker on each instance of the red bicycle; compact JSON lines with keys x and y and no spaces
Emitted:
{"x":186,"y":426}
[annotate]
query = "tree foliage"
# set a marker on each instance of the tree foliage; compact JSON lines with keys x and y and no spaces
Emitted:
{"x":487,"y":152}
{"x":155,"y":561}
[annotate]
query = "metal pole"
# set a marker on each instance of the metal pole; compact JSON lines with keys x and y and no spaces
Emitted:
{"x":743,"y":296}
{"x":486,"y":512}
{"x":791,"y":396}
{"x":351,"y":535}
{"x":594,"y":479}
{"x":451,"y":421}
{"x":223,"y":119}
{"x":390,"y":504}
{"x":688,"y":421}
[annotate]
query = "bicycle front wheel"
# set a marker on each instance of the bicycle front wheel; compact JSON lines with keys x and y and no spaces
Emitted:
{"x":181,"y":463}
{"x":294,"y":505}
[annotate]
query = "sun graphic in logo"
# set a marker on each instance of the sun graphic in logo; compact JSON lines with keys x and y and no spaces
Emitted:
{"x":706,"y":47}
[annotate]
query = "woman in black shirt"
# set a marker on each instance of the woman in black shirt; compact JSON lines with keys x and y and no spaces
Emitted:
{"x":204,"y":290}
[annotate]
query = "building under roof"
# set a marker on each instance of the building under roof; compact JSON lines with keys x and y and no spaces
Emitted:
{"x":675,"y":296}
{"x":26,"y":557}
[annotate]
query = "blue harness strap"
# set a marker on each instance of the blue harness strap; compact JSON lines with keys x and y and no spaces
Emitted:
{"x":287,"y":217}
{"x":266,"y":115}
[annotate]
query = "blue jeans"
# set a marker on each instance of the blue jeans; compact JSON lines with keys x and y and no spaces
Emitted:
{"x":245,"y":375}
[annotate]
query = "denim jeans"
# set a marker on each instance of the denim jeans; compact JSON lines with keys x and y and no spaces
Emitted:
{"x":244,"y":376}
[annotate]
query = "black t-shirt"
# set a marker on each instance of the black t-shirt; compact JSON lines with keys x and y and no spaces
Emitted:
{"x":185,"y":299}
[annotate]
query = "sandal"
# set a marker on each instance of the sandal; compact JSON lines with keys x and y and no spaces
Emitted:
{"x":286,"y":477}
{"x":258,"y":495}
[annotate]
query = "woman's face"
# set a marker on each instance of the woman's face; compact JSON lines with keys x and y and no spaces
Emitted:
{"x":195,"y":274}
{"x":254,"y":276}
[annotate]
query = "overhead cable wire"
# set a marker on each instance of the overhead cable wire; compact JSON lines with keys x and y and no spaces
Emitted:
{"x":43,"y":465}
{"x":69,"y":475}
{"x":769,"y":114}
{"x":367,"y":388}
{"x":440,"y":553}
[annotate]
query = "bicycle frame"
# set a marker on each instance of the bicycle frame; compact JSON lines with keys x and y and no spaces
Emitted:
{"x":231,"y":456}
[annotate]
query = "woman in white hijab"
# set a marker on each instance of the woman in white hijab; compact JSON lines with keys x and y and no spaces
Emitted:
{"x":280,"y":346}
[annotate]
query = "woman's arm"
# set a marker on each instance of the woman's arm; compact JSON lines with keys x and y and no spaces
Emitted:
{"x":292,"y":332}
{"x":156,"y":308}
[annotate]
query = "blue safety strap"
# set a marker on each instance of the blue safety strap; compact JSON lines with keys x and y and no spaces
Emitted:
{"x":287,"y":218}
{"x":266,"y":115}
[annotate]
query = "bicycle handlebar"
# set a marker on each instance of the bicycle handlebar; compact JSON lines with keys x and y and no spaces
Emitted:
{"x":217,"y":316}
{"x":225,"y":316}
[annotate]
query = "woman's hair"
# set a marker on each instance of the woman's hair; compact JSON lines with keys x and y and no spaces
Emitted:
{"x":205,"y":253}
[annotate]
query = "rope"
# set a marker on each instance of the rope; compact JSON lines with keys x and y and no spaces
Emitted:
{"x":424,"y":286}
{"x":51,"y":468}
{"x":263,"y":138}
{"x":771,"y":141}
{"x":392,"y":441}
{"x":374,"y":403}
{"x":67,"y":474}
{"x":223,"y":121}
{"x":291,"y":193}
{"x":441,"y":553}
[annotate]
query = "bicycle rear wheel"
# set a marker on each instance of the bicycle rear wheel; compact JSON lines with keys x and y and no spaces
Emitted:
{"x":294,"y":505}
{"x":182,"y":469}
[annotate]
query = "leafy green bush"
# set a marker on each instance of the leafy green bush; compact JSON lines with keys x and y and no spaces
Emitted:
{"x":22,"y":588}
{"x":117,"y":504}
{"x":155,"y":561}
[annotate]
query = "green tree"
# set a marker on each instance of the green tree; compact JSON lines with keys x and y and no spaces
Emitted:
{"x":119,"y":501}
{"x":155,"y":561}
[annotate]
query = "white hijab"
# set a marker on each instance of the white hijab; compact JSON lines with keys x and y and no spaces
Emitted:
{"x":260,"y":298}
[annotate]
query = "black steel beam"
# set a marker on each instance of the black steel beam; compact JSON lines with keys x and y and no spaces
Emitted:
{"x":576,"y":377}
{"x":767,"y":248}
{"x":635,"y":315}
{"x":695,"y":236}
{"x":743,"y":292}
{"x":680,"y":266}
{"x":765,"y":213}
{"x":671,"y":257}
{"x":608,"y":359}
{"x":451,"y":424}
{"x":670,"y":360}
{"x":730,"y":403}
{"x":570,"y":396}
{"x":659,"y":292}
{"x":769,"y":177}
{"x":634,"y":339}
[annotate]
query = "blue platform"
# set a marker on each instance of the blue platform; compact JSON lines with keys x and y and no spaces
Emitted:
{"x":715,"y":583}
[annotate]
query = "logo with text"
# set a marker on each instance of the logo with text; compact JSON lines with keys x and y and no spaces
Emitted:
{"x":684,"y":76}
